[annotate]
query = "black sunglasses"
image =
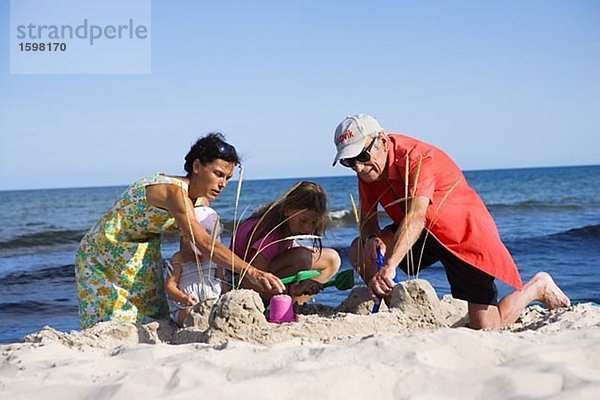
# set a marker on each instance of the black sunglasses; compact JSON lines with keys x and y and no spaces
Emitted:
{"x":363,"y":157}
{"x":227,"y":150}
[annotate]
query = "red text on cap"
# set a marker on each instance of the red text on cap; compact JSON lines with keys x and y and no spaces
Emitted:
{"x":345,"y":136}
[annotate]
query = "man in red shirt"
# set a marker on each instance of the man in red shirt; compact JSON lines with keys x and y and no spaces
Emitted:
{"x":437,"y":217}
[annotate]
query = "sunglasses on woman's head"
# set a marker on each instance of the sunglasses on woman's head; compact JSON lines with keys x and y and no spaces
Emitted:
{"x":363,"y":157}
{"x":225,"y":149}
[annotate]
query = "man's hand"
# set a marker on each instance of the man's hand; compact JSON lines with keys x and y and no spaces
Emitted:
{"x":383,"y":282}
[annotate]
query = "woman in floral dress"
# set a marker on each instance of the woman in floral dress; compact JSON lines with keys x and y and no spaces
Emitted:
{"x":119,"y":267}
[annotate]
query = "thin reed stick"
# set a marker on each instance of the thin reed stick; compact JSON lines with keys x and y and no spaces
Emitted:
{"x":371,"y":213}
{"x":293,"y":237}
{"x":360,"y":262}
{"x":413,"y":195}
{"x":195,"y":249}
{"x":262,"y":217}
{"x":415,"y":271}
{"x":446,"y":194}
{"x":417,"y":173}
{"x":277,"y":241}
{"x":213,"y":242}
{"x":236,"y":222}
{"x":405,"y":222}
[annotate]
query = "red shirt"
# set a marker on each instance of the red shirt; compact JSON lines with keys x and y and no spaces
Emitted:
{"x":456,"y":216}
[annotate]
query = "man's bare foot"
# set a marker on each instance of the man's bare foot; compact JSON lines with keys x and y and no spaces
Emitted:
{"x":549,"y":293}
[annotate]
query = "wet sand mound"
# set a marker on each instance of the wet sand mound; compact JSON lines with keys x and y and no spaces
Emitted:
{"x":325,"y":354}
{"x":240,"y":316}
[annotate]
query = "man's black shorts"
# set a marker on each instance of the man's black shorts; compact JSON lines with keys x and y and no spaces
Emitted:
{"x":466,"y":281}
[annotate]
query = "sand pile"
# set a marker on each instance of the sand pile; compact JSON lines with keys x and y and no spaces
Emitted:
{"x":408,"y":351}
{"x":240,"y":316}
{"x":107,"y":335}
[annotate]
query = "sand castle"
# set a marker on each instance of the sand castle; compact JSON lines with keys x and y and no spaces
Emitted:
{"x":240,"y":316}
{"x":230,"y":351}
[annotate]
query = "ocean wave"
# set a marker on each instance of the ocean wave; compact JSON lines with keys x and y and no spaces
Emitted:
{"x":572,"y":241}
{"x":340,"y":214}
{"x":44,"y":238}
{"x":584,"y":233}
{"x":341,"y":219}
{"x":535,"y":204}
{"x":63,"y":272}
{"x":46,"y":308}
{"x":346,"y":219}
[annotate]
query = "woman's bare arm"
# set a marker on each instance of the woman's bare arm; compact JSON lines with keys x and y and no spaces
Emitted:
{"x":174,"y":199}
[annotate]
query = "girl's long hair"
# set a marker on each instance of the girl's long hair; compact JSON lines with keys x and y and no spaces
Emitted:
{"x":307,"y":196}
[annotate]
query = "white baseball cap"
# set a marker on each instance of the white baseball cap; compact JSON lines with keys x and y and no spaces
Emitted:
{"x":352,"y":133}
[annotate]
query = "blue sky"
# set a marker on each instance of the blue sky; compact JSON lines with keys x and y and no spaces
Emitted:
{"x":495,"y":84}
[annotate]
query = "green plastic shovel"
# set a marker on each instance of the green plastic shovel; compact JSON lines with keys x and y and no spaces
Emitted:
{"x":342,"y":281}
{"x":301,"y":276}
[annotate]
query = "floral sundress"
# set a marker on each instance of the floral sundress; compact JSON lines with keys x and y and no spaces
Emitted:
{"x":118,"y":265}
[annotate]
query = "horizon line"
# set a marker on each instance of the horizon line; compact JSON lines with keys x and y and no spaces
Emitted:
{"x":301,"y":177}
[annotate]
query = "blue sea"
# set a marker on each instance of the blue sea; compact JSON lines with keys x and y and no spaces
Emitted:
{"x":549,"y":218}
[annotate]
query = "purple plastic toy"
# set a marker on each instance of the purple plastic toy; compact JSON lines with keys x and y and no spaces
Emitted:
{"x":281,"y":309}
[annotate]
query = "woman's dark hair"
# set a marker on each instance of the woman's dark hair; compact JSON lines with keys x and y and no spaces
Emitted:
{"x":308,"y":196}
{"x":209,"y":148}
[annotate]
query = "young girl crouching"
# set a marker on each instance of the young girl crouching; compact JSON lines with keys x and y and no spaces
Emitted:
{"x":268,"y":240}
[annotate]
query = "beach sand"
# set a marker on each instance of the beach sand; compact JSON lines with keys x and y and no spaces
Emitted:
{"x":416,"y":349}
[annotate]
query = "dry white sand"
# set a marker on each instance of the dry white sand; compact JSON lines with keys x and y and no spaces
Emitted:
{"x":417,"y":349}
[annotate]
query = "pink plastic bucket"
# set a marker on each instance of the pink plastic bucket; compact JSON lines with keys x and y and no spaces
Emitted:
{"x":281,"y":309}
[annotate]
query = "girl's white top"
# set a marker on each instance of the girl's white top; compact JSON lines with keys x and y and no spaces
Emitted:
{"x":200,"y":280}
{"x":208,"y":219}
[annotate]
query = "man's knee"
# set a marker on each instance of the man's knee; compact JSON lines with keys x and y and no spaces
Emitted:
{"x":483,"y":316}
{"x":353,"y":252}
